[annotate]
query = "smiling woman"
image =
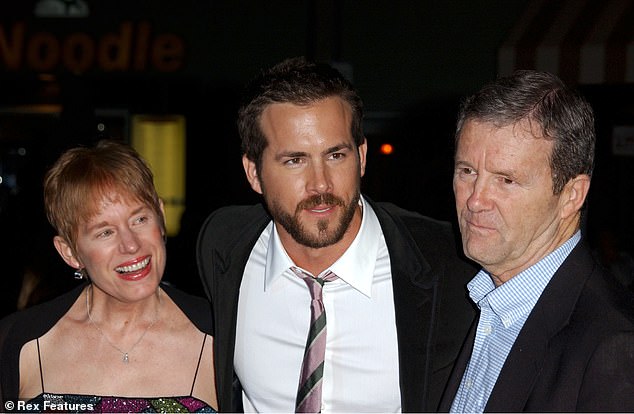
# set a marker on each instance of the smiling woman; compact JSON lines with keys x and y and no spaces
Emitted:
{"x":109,"y":342}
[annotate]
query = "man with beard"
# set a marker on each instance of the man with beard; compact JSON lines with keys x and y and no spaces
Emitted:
{"x":390,"y":281}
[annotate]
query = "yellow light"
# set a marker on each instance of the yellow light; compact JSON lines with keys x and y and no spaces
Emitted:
{"x":387,"y":149}
{"x":161,"y":142}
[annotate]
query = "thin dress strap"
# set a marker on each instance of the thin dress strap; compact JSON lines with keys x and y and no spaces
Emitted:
{"x":200,"y":357}
{"x":39,"y":360}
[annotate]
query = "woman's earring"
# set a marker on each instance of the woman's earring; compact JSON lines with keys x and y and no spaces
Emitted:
{"x":80,"y":274}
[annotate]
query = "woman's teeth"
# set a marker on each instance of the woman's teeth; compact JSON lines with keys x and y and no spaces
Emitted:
{"x":133,"y":268}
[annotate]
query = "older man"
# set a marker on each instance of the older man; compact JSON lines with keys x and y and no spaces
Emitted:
{"x":554,"y":333}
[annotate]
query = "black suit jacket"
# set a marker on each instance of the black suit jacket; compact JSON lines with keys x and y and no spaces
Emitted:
{"x":575,"y":351}
{"x":433,"y":313}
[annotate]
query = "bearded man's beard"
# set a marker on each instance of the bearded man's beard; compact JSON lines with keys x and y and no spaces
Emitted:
{"x":327,"y":233}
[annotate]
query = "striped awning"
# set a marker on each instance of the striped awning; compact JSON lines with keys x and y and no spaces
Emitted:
{"x":582,"y":41}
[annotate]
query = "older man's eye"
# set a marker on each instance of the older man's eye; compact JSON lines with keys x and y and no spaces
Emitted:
{"x":293,"y":161}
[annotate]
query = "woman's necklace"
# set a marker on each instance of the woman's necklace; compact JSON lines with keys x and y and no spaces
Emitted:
{"x":126,"y":357}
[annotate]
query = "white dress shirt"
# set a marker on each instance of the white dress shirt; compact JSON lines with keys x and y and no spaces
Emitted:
{"x":361,"y":371}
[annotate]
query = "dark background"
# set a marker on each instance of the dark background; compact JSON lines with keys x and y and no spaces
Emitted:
{"x":412,"y":62}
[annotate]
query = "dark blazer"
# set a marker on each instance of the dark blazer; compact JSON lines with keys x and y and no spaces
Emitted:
{"x":433,"y":313}
{"x":575,"y":351}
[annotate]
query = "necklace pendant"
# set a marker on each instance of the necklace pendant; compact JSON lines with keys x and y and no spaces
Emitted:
{"x":125,"y":358}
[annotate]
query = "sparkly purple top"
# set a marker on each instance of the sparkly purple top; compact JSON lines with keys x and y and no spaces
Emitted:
{"x":76,"y":403}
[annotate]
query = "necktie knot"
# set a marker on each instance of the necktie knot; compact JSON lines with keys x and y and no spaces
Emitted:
{"x":315,"y":284}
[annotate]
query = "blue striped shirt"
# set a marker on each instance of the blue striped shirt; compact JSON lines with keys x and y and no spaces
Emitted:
{"x":503,"y":311}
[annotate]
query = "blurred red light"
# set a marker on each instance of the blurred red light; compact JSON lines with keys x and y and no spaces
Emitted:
{"x":387,"y":149}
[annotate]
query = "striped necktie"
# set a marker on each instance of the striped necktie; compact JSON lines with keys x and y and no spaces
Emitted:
{"x":311,"y":376}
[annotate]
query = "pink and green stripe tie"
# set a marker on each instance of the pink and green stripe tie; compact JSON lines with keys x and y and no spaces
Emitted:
{"x":311,"y":376}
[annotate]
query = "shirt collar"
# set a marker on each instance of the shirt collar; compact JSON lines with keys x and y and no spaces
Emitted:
{"x":355,"y":266}
{"x":516,"y":298}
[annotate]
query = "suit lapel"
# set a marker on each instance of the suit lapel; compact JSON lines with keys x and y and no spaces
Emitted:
{"x":229,"y":258}
{"x":414,"y":290}
{"x":459,"y":369}
{"x":226,"y":290}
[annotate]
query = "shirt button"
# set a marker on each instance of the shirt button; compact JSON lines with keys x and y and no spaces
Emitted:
{"x":487,"y":330}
